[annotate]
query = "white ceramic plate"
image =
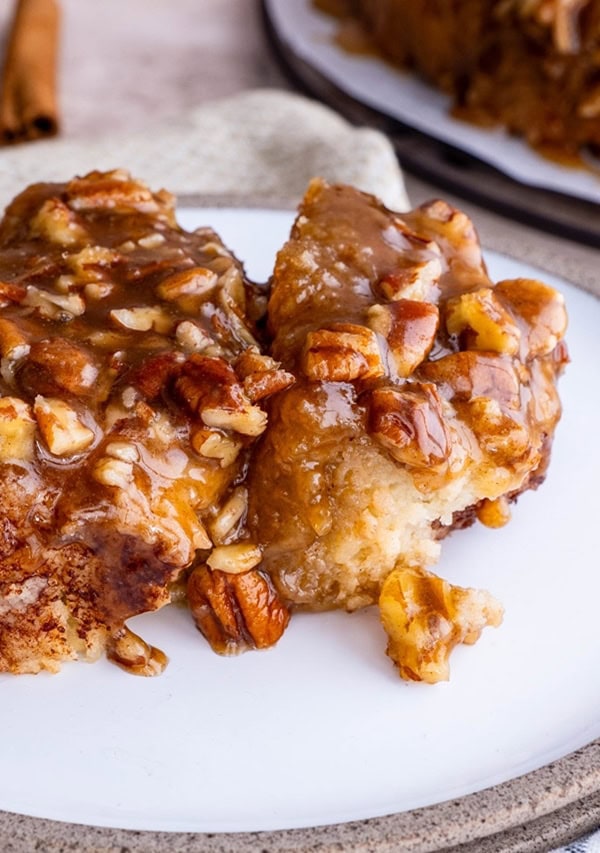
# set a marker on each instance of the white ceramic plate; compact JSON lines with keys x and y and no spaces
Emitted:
{"x":320,"y":729}
{"x":310,"y":35}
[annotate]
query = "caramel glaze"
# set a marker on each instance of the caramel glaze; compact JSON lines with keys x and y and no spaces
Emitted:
{"x":97,"y":531}
{"x":442,"y":407}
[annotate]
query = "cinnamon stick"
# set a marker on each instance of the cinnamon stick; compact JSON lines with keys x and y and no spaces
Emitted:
{"x":28,"y":98}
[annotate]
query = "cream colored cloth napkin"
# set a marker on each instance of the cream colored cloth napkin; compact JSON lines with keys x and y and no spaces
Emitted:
{"x":264,"y":144}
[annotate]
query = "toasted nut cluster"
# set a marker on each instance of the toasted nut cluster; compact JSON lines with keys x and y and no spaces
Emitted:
{"x":210,"y":388}
{"x":236,"y":611}
{"x":425,"y":617}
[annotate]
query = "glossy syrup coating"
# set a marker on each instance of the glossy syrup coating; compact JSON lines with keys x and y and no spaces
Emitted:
{"x":130,"y":381}
{"x":423,"y":393}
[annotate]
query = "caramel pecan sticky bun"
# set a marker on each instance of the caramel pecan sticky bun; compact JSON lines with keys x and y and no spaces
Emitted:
{"x":425,"y":396}
{"x":132,"y":390}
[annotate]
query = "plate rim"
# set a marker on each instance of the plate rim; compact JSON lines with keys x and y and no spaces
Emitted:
{"x":555,"y":803}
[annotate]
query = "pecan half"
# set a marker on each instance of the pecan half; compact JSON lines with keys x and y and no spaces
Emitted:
{"x":410,"y":425}
{"x":236,"y":612}
{"x":116,"y":191}
{"x":342,"y":352}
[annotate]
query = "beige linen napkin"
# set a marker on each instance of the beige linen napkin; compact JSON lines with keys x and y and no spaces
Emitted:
{"x":264,"y":144}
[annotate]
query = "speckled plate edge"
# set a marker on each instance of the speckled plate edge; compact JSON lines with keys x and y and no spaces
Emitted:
{"x":538,"y":811}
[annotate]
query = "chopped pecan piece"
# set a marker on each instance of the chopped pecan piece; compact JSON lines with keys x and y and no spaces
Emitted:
{"x":501,"y":433}
{"x":192,"y":338}
{"x":135,"y":655}
{"x":155,"y":373}
{"x":409,"y":328}
{"x":142,"y":318}
{"x":216,"y":445}
{"x":236,"y":612}
{"x":425,"y":617}
{"x":57,"y":223}
{"x":342,"y":352}
{"x":13,"y":342}
{"x":54,"y":306}
{"x":61,"y":428}
{"x":210,"y":388}
{"x":452,"y":229}
{"x":10,"y":292}
{"x":413,"y":281}
{"x":410,"y":425}
{"x":227,"y":522}
{"x":540,"y":307}
{"x":236,"y":558}
{"x":261,"y":374}
{"x":482,"y":323}
{"x":56,"y":365}
{"x":197,"y":281}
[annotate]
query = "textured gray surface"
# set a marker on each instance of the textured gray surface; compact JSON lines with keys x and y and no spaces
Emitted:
{"x":529,"y":814}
